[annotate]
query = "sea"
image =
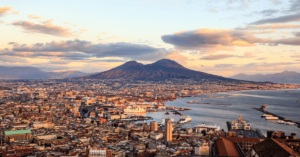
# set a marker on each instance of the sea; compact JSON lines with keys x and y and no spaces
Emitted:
{"x":236,"y":103}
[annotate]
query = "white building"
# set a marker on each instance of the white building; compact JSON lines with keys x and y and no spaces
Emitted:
{"x":100,"y":152}
{"x":240,"y":124}
{"x":202,"y":150}
{"x":156,"y":136}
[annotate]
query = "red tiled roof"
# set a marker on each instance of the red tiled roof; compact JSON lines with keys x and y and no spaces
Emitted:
{"x":274,"y":148}
{"x":226,"y":148}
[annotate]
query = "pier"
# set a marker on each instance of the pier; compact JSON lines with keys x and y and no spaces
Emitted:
{"x":275,"y":115}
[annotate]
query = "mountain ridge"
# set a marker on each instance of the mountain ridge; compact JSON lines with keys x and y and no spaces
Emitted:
{"x":7,"y":72}
{"x":159,"y":70}
{"x":281,"y":77}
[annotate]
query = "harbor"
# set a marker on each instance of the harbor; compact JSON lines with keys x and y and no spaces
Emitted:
{"x":271,"y":116}
{"x":240,"y":104}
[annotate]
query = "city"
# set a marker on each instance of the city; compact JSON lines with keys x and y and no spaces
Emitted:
{"x":105,"y":118}
{"x":149,"y":78}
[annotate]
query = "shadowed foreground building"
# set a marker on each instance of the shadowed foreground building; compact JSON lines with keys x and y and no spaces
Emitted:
{"x":271,"y":147}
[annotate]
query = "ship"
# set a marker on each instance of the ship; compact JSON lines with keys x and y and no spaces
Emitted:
{"x":185,"y":120}
{"x":266,"y":115}
{"x":163,"y":121}
{"x":281,"y":122}
{"x":129,"y":109}
{"x":271,"y":118}
{"x":290,"y":123}
{"x":209,"y":127}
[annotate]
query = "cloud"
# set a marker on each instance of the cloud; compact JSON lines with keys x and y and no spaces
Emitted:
{"x":286,"y":41}
{"x":294,"y":6}
{"x":268,"y":12}
{"x":248,"y":55}
{"x":178,"y":57}
{"x":210,"y":40}
{"x":264,"y":32}
{"x":251,"y":68}
{"x":12,"y":59}
{"x":11,"y":43}
{"x":34,"y":17}
{"x":224,"y":56}
{"x":214,"y":10}
{"x":297,"y":34}
{"x":80,"y":50}
{"x":274,"y":26}
{"x":281,"y":19}
{"x":295,"y":56}
{"x":263,"y":58}
{"x":44,"y":28}
{"x":224,"y":65}
{"x":217,"y":57}
{"x":6,"y":10}
{"x":164,"y":3}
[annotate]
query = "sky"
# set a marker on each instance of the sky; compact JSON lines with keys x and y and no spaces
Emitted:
{"x":222,"y":37}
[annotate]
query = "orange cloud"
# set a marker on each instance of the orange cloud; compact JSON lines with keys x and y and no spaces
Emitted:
{"x":178,"y":57}
{"x":6,"y":10}
{"x":34,"y":17}
{"x":248,"y":55}
{"x":212,"y":40}
{"x":46,"y":28}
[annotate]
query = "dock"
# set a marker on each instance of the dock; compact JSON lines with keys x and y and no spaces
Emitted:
{"x":275,"y":115}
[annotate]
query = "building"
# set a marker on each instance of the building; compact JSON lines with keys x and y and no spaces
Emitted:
{"x":153,"y":126}
{"x":38,"y":125}
{"x":240,"y":124}
{"x":242,"y":129}
{"x":233,"y":146}
{"x":96,"y":151}
{"x":156,"y":136}
{"x":17,"y":135}
{"x":202,"y":150}
{"x":271,"y":147}
{"x":168,"y":130}
{"x":1,"y":94}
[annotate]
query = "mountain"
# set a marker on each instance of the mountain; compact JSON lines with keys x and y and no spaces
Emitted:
{"x":34,"y":73}
{"x":160,"y":70}
{"x":283,"y":77}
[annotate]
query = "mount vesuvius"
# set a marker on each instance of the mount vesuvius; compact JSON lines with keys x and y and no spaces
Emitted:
{"x":160,"y":70}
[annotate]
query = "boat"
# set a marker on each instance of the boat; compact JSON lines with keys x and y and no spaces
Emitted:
{"x":281,"y":122}
{"x":129,"y":109}
{"x":217,"y":128}
{"x":287,"y":91}
{"x":164,"y":120}
{"x":266,"y":115}
{"x":185,"y":120}
{"x":271,"y":118}
{"x":167,"y":113}
{"x":297,"y":100}
{"x":290,"y":123}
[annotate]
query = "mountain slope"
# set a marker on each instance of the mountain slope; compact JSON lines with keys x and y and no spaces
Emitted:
{"x":283,"y":77}
{"x":34,"y":73}
{"x":162,"y":69}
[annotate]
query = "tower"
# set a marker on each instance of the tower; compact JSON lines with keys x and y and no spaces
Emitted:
{"x":240,"y":119}
{"x":168,"y":130}
{"x":153,"y":126}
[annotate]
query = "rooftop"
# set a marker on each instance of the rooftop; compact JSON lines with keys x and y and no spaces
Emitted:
{"x":17,"y":132}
